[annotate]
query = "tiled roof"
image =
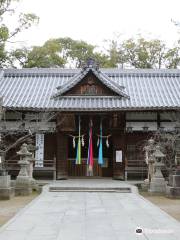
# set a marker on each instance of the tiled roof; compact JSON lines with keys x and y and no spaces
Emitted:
{"x":32,"y":89}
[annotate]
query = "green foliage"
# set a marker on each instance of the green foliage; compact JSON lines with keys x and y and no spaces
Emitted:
{"x":25,"y":21}
{"x":57,"y":53}
{"x":172,"y":57}
{"x":133,"y":52}
{"x":77,"y":52}
{"x":142,"y":53}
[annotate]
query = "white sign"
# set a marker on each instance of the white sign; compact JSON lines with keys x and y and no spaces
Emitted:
{"x":119,"y":156}
{"x":39,"y":156}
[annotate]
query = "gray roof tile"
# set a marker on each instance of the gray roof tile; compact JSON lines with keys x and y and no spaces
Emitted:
{"x":32,"y":89}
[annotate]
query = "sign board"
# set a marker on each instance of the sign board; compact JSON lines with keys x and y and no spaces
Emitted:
{"x":39,"y":156}
{"x":118,"y":156}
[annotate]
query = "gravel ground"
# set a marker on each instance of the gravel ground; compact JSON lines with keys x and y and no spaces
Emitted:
{"x":171,"y":206}
{"x":8,"y":208}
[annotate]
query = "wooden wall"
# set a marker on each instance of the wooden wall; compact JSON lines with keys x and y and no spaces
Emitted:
{"x":62,"y":155}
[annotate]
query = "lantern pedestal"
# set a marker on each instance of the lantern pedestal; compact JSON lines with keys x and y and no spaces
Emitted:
{"x":157,"y":184}
{"x":33,"y":183}
{"x":173,"y":187}
{"x":6,"y":191}
{"x":23,"y":182}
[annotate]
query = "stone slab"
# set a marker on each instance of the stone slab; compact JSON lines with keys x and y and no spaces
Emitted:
{"x":90,"y":215}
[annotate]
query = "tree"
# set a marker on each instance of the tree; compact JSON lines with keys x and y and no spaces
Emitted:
{"x":172,"y":57}
{"x":58,"y":53}
{"x":133,"y":53}
{"x":25,"y":21}
{"x":45,"y":56}
{"x":142,"y":53}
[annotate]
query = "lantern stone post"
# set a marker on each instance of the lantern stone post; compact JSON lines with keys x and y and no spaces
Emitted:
{"x":23,"y":183}
{"x":158,"y":184}
{"x":31,"y":148}
{"x":150,"y":159}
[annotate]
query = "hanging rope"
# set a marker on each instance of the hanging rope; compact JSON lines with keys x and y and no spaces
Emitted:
{"x":74,"y":137}
{"x":101,"y":137}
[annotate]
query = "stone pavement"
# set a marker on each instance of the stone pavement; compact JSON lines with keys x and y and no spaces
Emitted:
{"x":90,"y":216}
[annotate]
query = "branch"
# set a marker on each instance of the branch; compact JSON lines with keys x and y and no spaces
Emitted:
{"x":20,"y":140}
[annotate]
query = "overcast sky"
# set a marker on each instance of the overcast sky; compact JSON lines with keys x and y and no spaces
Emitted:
{"x":96,"y":20}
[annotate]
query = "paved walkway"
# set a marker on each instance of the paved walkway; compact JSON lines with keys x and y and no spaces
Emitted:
{"x":90,"y":216}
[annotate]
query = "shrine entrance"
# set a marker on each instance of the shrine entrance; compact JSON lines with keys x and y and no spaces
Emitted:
{"x":85,"y":146}
{"x":81,"y":169}
{"x":107,"y":155}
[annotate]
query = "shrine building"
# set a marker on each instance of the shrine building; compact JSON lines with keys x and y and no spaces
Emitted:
{"x":88,"y":122}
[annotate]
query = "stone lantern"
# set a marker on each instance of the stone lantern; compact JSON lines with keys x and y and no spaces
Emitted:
{"x":150,"y":159}
{"x":31,"y":148}
{"x":23,"y":183}
{"x":173,"y":186}
{"x":158,"y":183}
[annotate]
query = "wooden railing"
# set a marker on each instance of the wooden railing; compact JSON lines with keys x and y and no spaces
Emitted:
{"x":48,"y":166}
{"x":135,"y":167}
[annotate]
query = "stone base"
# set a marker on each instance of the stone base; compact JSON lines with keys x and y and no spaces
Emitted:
{"x":174,"y":180}
{"x":34,"y":185}
{"x":5,"y":181}
{"x":157,"y":185}
{"x":23,"y":191}
{"x":172,"y":192}
{"x":6,"y":193}
{"x":23,"y":186}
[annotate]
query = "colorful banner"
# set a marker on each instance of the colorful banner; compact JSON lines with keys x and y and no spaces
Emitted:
{"x":90,"y":160}
{"x":100,"y":155}
{"x":78,"y":153}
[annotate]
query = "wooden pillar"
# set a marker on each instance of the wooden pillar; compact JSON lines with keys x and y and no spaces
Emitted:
{"x":65,"y":125}
{"x":119,"y":166}
{"x":118,"y":136}
{"x":62,"y":156}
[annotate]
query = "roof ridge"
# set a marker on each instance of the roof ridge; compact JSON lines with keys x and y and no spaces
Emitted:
{"x":108,"y":71}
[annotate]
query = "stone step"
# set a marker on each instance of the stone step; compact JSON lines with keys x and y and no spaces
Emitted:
{"x":89,"y":189}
